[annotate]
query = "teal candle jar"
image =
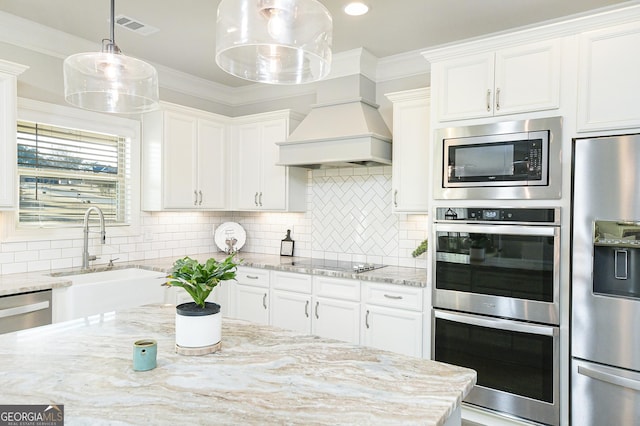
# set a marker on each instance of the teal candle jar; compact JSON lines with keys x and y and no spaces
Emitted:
{"x":144,"y":354}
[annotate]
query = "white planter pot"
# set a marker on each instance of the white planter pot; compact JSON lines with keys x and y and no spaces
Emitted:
{"x":197,"y":327}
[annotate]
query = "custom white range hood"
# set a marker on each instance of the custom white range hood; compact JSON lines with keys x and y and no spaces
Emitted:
{"x":339,"y":133}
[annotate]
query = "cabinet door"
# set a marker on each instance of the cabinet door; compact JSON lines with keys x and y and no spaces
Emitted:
{"x":291,"y":311}
{"x":247,"y":164}
{"x":336,"y":319}
{"x":411,"y":147}
{"x":212,"y":165}
{"x":8,"y":158}
{"x":252,"y":303}
{"x":465,"y":87}
{"x":180,"y":174}
{"x":395,"y":330}
{"x":609,"y":87}
{"x":527,"y":78}
{"x":274,"y":178}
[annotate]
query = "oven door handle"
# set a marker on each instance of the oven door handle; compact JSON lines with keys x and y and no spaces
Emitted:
{"x":542,"y":231}
{"x":497,"y":323}
{"x":603,"y":376}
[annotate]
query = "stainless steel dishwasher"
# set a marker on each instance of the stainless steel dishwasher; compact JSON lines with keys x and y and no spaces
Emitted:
{"x":25,"y":310}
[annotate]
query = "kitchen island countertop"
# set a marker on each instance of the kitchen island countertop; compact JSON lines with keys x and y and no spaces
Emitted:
{"x":262,"y":375}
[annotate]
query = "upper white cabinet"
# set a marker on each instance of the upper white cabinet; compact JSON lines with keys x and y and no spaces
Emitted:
{"x":609,"y":82}
{"x":258,"y":182}
{"x":411,"y":169}
{"x":185,"y":160}
{"x":511,"y":80}
{"x":8,"y":116}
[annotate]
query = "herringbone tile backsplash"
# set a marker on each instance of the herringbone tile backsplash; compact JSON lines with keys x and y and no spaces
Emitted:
{"x":352,"y":214}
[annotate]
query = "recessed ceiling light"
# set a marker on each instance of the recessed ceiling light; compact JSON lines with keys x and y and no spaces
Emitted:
{"x":356,"y":9}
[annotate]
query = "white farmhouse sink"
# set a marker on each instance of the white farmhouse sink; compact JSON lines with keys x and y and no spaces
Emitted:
{"x":94,"y":293}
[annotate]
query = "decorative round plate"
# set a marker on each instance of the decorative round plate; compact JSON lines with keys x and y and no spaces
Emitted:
{"x":226,"y":234}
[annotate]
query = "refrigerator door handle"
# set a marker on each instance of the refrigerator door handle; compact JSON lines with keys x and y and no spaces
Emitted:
{"x":603,"y":376}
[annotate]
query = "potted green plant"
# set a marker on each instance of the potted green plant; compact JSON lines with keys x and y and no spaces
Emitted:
{"x":199,"y":323}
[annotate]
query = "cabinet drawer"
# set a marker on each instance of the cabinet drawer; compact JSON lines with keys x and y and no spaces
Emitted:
{"x":336,"y":288}
{"x":393,"y":296}
{"x":290,"y":281}
{"x":253,"y":276}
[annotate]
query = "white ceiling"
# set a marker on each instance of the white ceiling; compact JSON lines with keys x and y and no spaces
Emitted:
{"x":186,"y":40}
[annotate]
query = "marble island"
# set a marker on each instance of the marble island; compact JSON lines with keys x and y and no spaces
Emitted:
{"x":262,"y":375}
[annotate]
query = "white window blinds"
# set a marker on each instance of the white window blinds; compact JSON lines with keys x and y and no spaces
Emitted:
{"x":64,"y":171}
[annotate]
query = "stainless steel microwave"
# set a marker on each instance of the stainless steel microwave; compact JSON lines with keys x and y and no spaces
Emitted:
{"x":507,"y":160}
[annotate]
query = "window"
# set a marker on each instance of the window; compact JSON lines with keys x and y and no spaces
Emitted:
{"x":64,"y":171}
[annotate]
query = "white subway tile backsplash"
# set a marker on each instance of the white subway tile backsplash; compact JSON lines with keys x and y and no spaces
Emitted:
{"x":348,"y":218}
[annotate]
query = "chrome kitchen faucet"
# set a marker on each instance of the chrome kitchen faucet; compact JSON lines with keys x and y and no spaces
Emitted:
{"x":86,"y":257}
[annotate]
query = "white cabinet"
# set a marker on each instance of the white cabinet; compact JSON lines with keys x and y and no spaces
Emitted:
{"x":609,"y":87}
{"x":411,"y":172}
{"x":336,"y":308}
{"x":511,"y":80}
{"x":291,"y":301}
{"x":185,"y":160}
{"x":8,"y":116}
{"x":393,"y":318}
{"x":251,"y":295}
{"x":323,"y":306}
{"x":258,"y":182}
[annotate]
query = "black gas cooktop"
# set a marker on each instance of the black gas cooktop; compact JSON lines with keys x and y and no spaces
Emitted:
{"x":336,"y":265}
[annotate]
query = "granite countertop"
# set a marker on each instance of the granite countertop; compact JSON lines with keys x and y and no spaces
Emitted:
{"x":44,"y":280}
{"x":262,"y":375}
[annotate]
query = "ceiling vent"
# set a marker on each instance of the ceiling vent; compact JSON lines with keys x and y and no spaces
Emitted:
{"x":135,"y":25}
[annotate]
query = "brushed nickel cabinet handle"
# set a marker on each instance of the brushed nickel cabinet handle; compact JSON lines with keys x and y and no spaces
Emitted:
{"x":264,"y":301}
{"x":260,"y":199}
{"x":395,"y":198}
{"x":252,"y":277}
{"x":195,"y":197}
{"x":488,"y":100}
{"x":388,"y":296}
{"x":306,"y":309}
{"x":366,"y":319}
{"x":200,"y":201}
{"x":317,"y":303}
{"x":255,"y":199}
{"x":498,"y":99}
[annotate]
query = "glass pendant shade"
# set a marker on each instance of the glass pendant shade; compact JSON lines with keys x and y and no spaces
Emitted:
{"x":109,"y":81}
{"x":274,"y":41}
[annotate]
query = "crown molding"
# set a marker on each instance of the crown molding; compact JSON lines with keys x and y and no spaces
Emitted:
{"x":556,"y":28}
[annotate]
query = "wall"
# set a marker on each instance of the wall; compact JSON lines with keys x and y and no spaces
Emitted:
{"x":349,"y":218}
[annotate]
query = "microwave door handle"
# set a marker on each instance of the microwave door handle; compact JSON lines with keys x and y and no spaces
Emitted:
{"x":598,"y":374}
{"x":498,"y":324}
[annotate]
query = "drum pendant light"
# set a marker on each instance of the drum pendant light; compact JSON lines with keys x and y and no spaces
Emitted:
{"x":109,"y":81}
{"x":274,"y":41}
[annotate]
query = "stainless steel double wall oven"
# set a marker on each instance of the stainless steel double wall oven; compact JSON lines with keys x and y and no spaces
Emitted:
{"x":496,"y":305}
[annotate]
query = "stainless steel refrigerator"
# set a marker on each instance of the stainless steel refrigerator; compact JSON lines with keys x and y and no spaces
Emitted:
{"x":605,"y":323}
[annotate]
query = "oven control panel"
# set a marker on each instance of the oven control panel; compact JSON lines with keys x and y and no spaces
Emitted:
{"x":483,"y":214}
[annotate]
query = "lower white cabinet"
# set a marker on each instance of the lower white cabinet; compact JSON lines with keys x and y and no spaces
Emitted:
{"x":251,"y":295}
{"x":323,"y":306}
{"x":392,"y":318}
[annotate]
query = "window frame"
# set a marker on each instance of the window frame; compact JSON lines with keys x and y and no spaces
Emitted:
{"x":63,"y":116}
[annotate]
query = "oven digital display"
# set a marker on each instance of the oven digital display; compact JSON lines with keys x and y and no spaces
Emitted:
{"x":491,"y":214}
